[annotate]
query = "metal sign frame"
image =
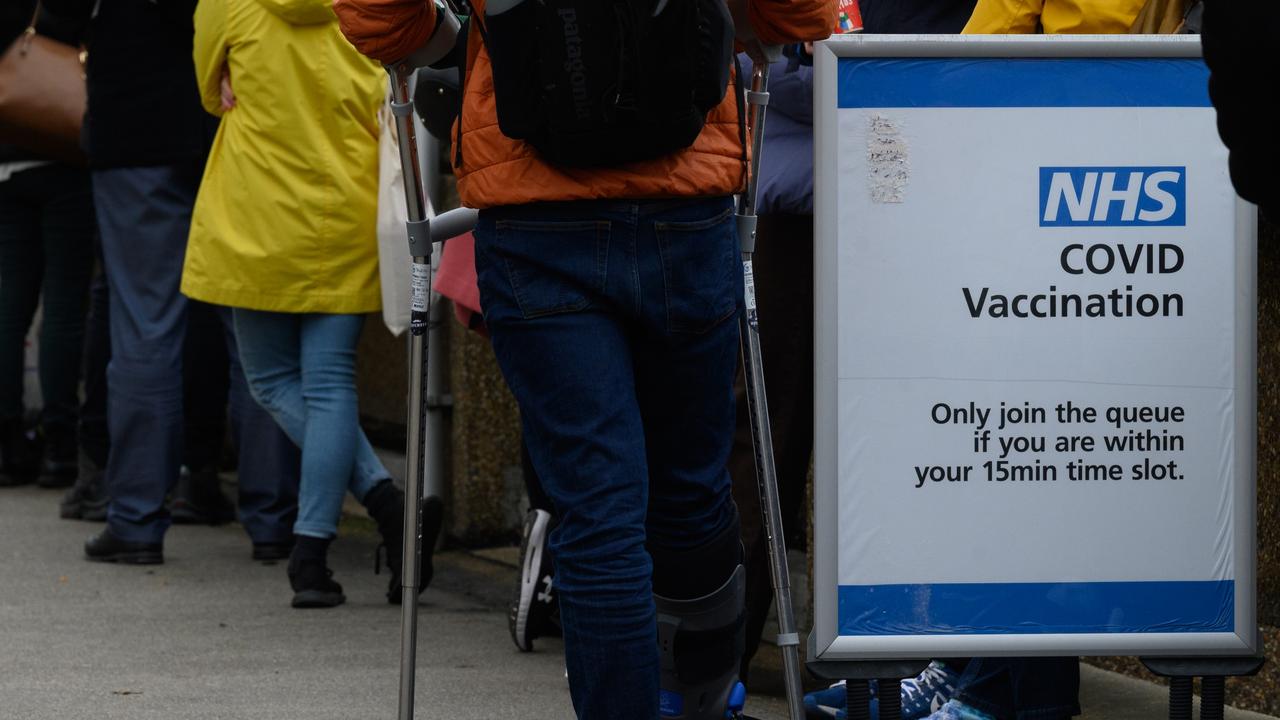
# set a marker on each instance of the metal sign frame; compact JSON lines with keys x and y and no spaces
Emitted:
{"x":826,"y":644}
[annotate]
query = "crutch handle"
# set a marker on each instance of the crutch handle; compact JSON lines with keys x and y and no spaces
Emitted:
{"x":453,"y":223}
{"x":440,"y":43}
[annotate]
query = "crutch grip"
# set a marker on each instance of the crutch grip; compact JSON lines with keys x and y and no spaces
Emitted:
{"x":440,"y":43}
{"x":453,"y":223}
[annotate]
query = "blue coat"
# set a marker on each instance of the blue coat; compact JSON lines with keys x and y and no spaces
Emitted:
{"x":786,"y":163}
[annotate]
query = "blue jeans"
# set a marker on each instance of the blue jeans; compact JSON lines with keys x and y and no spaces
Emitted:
{"x":269,"y":461}
{"x":302,"y":369}
{"x":1044,"y":688}
{"x":144,"y":215}
{"x":615,"y":325}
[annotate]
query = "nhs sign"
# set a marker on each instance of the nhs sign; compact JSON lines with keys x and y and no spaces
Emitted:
{"x":1113,"y":196}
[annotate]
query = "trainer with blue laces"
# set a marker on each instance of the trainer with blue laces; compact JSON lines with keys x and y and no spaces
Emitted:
{"x":921,"y":696}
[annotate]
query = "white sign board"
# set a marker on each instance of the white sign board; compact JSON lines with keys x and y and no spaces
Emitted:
{"x":1036,"y":352}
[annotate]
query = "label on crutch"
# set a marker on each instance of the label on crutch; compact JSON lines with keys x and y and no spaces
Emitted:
{"x":749,"y":293}
{"x":420,"y":283}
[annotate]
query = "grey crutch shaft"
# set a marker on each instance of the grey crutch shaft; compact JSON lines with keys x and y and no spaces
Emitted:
{"x":758,"y":406}
{"x":419,"y":236}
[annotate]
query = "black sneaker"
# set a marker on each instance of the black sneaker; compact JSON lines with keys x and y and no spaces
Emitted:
{"x":534,"y":608}
{"x":385,"y":504}
{"x":105,"y":547}
{"x":61,"y":462}
{"x":19,"y":454}
{"x":198,"y":499}
{"x":310,"y":577}
{"x":87,"y":498}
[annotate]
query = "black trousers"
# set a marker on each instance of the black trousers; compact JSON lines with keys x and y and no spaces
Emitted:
{"x":46,"y":252}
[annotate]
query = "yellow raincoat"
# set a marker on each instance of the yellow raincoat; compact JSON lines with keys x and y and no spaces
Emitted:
{"x":285,"y":219}
{"x":1104,"y":17}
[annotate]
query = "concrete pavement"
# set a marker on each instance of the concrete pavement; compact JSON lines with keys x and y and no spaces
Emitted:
{"x":210,"y":634}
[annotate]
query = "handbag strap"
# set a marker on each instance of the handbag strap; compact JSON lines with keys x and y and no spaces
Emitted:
{"x":30,"y":32}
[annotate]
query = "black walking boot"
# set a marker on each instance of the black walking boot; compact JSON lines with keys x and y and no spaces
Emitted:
{"x":19,"y":454}
{"x":61,"y":462}
{"x":310,"y":577}
{"x":385,"y":504}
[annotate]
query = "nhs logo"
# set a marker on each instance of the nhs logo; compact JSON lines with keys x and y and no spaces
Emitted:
{"x":1113,"y":196}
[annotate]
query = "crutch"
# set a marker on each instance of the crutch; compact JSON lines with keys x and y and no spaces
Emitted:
{"x":423,"y":233}
{"x":758,"y":406}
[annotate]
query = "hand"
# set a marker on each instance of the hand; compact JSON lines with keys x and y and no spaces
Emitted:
{"x":228,"y":95}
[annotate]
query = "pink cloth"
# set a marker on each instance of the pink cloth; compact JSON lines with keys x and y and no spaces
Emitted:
{"x":456,"y":280}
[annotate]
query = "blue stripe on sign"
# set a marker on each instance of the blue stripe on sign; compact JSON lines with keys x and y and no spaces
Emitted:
{"x":1037,"y":608}
{"x":1024,"y":82}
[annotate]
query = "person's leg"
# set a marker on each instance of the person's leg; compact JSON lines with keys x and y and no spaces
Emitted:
{"x":534,"y":609}
{"x":1046,"y":688}
{"x":783,"y":271}
{"x":1023,"y":688}
{"x":538,"y":499}
{"x":21,"y":266}
{"x":566,"y":356}
{"x":205,"y":388}
{"x":686,"y":357}
{"x":331,"y":440}
{"x":198,"y":497}
{"x":94,"y":438}
{"x":144,"y":216}
{"x":67,"y":229}
{"x":269,"y":463}
{"x":277,"y":387}
{"x":272,"y":353}
{"x":87,"y":499}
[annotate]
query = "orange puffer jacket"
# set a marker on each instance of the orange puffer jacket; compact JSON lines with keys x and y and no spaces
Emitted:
{"x":496,"y":170}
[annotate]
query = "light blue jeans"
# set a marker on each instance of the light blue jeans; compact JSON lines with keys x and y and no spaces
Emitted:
{"x":302,"y":369}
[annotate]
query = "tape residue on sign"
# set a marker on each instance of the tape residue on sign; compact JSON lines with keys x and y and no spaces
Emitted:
{"x":888,"y":166}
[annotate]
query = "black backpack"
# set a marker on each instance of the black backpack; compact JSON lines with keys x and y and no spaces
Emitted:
{"x":591,"y":83}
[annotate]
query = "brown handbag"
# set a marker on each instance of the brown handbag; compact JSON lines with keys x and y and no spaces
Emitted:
{"x":42,"y":96}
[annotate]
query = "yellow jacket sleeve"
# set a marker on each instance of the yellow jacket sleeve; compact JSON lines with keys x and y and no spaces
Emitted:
{"x":210,"y":52}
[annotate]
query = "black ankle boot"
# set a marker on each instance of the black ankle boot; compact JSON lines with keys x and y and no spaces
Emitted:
{"x":385,"y":504}
{"x":61,"y":462}
{"x":87,"y":498}
{"x":310,"y":576}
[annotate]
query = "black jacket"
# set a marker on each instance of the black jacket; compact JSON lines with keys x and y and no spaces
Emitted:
{"x":1239,"y":46}
{"x":144,"y":108}
{"x":15,"y":16}
{"x":899,"y":17}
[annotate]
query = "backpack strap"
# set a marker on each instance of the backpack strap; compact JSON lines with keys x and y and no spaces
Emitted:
{"x":740,"y":96}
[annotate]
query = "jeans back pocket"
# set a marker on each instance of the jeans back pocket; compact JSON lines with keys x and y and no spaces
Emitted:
{"x":701,"y":271}
{"x":553,"y":267}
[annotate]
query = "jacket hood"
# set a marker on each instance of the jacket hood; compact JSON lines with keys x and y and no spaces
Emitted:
{"x":301,"y":12}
